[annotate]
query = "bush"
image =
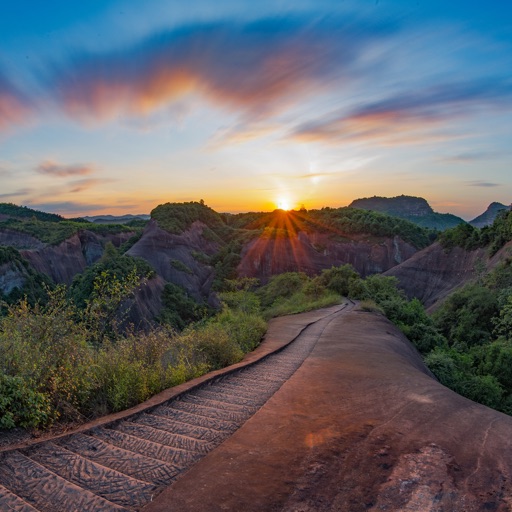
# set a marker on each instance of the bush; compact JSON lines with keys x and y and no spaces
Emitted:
{"x":20,"y":405}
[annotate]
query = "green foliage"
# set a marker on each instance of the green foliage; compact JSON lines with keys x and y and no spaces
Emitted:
{"x":179,"y":265}
{"x":20,"y":405}
{"x":463,"y":235}
{"x":494,"y":237}
{"x":465,"y":318}
{"x":339,"y":222}
{"x":294,"y":292}
{"x":179,"y":309}
{"x":54,"y":233}
{"x":282,"y":286}
{"x":112,"y":265}
{"x":178,"y":217}
{"x":243,"y":327}
{"x":339,"y":279}
{"x":35,"y":285}
{"x":28,"y":213}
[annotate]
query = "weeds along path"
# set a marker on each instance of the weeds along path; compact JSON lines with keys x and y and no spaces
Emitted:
{"x":123,"y":465}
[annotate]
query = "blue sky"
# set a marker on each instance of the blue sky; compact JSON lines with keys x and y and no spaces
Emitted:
{"x":116,"y":107}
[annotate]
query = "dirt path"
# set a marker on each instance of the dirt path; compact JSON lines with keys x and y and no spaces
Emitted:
{"x":360,"y":426}
{"x":125,"y":461}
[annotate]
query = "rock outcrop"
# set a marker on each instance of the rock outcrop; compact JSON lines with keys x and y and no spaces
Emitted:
{"x":310,"y":253}
{"x":487,"y":218}
{"x":414,"y":209}
{"x":63,"y":261}
{"x":172,"y":257}
{"x":433,"y":273}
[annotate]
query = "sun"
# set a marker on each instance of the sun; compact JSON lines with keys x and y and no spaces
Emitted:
{"x":283,"y":203}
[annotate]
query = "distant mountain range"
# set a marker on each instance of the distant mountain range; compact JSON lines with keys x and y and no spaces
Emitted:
{"x":116,"y":219}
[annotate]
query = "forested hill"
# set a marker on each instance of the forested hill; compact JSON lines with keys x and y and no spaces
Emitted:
{"x":414,"y":209}
{"x":13,"y":210}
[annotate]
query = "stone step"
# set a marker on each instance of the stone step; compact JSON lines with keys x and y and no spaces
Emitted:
{"x":212,"y":412}
{"x":162,"y":437}
{"x":12,"y":503}
{"x":196,"y":419}
{"x":100,"y":480}
{"x":174,"y":456}
{"x":46,"y":491}
{"x":127,"y":462}
{"x":177,"y":427}
{"x":194,"y":399}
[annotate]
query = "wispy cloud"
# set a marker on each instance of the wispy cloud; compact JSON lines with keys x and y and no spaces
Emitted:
{"x":410,"y":117}
{"x":469,"y":157}
{"x":14,"y":106}
{"x":21,"y":192}
{"x":85,"y":184}
{"x":52,"y":168}
{"x":247,"y":67}
{"x":65,"y":207}
{"x":484,"y":184}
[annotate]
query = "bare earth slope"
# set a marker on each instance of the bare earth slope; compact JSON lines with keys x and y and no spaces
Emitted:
{"x":360,"y":426}
{"x":433,"y":273}
{"x":310,"y":253}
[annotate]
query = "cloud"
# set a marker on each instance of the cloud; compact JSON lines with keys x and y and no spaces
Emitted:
{"x":410,"y":117}
{"x":85,"y":184}
{"x":55,"y":169}
{"x":66,"y":207}
{"x":485,"y":184}
{"x":472,"y":157}
{"x":243,"y":66}
{"x":14,"y":106}
{"x":17,"y":193}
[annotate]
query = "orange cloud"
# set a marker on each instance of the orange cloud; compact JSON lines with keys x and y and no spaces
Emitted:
{"x":410,"y":117}
{"x":55,"y":169}
{"x":250,"y":67}
{"x":14,"y":107}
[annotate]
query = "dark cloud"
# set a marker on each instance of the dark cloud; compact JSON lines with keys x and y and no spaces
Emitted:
{"x":485,"y":184}
{"x":245,"y":66}
{"x":66,"y":207}
{"x":472,"y":157}
{"x":17,"y":193}
{"x":410,"y":116}
{"x":14,"y":106}
{"x":55,"y":169}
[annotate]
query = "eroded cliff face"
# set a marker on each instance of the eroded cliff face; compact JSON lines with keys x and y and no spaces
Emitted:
{"x":19,"y":240}
{"x":310,"y":253}
{"x":162,"y":250}
{"x":63,"y":261}
{"x":433,"y":273}
{"x":142,"y":310}
{"x":12,"y":275}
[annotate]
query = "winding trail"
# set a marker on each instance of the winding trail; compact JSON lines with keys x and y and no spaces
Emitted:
{"x":124,"y":464}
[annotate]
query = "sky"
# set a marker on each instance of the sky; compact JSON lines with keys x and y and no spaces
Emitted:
{"x":118,"y":106}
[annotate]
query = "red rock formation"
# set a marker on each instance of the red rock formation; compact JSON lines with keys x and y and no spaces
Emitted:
{"x":160,"y":248}
{"x":310,"y":253}
{"x":433,"y":273}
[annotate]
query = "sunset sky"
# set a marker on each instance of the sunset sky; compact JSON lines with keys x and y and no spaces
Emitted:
{"x":118,"y":106}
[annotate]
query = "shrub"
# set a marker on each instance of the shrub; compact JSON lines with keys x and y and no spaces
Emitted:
{"x":21,"y":405}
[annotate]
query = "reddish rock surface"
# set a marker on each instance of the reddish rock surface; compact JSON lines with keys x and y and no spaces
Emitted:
{"x":161,"y":248}
{"x":433,"y":273}
{"x":362,"y":425}
{"x":63,"y":261}
{"x":310,"y":253}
